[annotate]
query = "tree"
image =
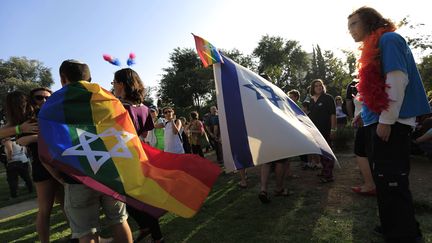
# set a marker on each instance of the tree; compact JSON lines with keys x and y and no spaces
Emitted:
{"x":283,"y":62}
{"x":20,"y":73}
{"x":317,"y":66}
{"x":338,"y":78}
{"x":26,"y":70}
{"x":148,"y":99}
{"x":238,"y":57}
{"x":331,"y":69}
{"x":186,"y":83}
{"x":415,"y":37}
{"x":425,"y":69}
{"x":351,"y":61}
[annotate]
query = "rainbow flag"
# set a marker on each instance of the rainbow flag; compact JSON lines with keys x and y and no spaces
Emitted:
{"x":86,"y":133}
{"x":207,"y":52}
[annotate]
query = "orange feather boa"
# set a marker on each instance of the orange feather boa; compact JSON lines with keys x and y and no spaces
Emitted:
{"x":372,"y":81}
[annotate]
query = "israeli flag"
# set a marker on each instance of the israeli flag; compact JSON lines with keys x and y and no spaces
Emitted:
{"x":259,"y":123}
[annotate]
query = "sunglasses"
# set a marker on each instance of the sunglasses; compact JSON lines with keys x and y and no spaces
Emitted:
{"x":40,"y":97}
{"x":166,"y":112}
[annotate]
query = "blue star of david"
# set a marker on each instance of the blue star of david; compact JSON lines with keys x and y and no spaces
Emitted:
{"x":255,"y":86}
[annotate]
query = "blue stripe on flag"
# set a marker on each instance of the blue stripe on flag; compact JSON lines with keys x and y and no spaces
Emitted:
{"x":234,"y":114}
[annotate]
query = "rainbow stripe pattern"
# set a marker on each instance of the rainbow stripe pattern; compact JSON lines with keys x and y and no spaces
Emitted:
{"x":207,"y":52}
{"x":86,"y":133}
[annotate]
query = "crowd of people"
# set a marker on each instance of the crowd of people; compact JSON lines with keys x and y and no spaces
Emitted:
{"x":383,"y":104}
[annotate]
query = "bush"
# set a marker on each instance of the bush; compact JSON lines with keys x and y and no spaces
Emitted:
{"x":344,"y":138}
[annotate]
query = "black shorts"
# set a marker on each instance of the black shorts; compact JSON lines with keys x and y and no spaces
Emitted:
{"x":39,"y":172}
{"x":360,"y":142}
{"x":341,"y":120}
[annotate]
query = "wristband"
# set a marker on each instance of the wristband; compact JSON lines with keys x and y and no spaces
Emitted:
{"x":17,"y":130}
{"x":334,"y":129}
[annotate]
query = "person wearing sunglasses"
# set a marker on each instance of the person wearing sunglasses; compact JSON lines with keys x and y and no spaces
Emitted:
{"x":173,"y":126}
{"x":20,"y":108}
{"x":39,"y":96}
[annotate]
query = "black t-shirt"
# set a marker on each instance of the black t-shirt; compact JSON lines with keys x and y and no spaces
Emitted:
{"x":320,"y":113}
{"x":351,"y":90}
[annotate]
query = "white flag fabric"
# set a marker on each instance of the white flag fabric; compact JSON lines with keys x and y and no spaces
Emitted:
{"x":258,"y":122}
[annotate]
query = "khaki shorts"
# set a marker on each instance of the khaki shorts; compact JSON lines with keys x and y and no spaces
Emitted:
{"x":82,"y":205}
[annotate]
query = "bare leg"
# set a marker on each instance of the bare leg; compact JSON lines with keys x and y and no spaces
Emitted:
{"x":265,"y":171}
{"x":280,"y":171}
{"x":315,"y":160}
{"x":243,"y":182}
{"x":122,"y":232}
{"x":363,"y":164}
{"x":263,"y":195}
{"x":45,"y":198}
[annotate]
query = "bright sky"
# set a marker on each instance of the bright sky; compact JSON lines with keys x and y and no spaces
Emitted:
{"x":52,"y":31}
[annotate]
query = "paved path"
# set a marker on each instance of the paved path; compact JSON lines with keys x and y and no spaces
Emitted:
{"x":17,"y":208}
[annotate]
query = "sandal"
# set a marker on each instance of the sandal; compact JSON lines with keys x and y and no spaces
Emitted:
{"x":326,"y":180}
{"x":281,"y":193}
{"x":263,"y":197}
{"x":241,"y":185}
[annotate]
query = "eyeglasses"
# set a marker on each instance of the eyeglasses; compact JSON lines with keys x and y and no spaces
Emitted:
{"x":166,"y":112}
{"x":40,"y":97}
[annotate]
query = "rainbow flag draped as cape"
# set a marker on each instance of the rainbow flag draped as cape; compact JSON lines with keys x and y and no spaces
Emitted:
{"x":207,"y":52}
{"x":86,"y":133}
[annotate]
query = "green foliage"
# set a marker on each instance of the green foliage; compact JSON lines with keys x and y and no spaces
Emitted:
{"x":343,"y":138}
{"x":425,"y":69}
{"x":238,"y":57}
{"x":282,"y":61}
{"x":186,"y":84}
{"x":415,"y":37}
{"x":20,"y":73}
{"x":26,"y":70}
{"x":148,"y":99}
{"x":331,"y":69}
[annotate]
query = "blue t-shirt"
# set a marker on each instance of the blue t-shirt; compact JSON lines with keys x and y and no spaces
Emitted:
{"x":396,"y":55}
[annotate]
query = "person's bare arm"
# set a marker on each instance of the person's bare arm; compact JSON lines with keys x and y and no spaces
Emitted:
{"x":26,"y":140}
{"x":8,"y":149}
{"x":26,"y":127}
{"x":177,"y":124}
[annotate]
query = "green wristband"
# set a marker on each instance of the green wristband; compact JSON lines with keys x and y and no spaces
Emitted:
{"x":17,"y":130}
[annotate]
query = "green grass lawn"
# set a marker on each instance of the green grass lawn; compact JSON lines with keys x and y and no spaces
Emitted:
{"x":313,"y":213}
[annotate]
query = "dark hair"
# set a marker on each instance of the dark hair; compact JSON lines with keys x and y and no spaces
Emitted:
{"x":33,"y":91}
{"x":312,"y":88}
{"x":372,"y":19}
{"x":194,"y":115}
{"x":133,"y":86}
{"x":294,"y":92}
{"x":18,"y":108}
{"x":75,"y":71}
{"x":167,"y":108}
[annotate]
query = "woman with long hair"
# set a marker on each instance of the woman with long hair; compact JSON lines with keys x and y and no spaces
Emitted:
{"x":129,"y":88}
{"x":21,"y":108}
{"x":196,"y":129}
